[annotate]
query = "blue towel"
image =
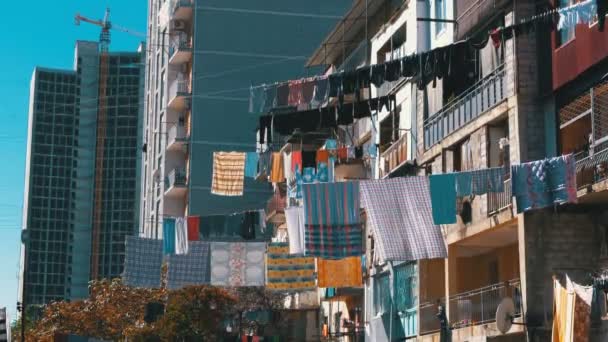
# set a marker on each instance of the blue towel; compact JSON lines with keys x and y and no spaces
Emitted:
{"x":251,"y":164}
{"x":464,"y":183}
{"x":169,"y":235}
{"x":488,"y":180}
{"x":443,"y":198}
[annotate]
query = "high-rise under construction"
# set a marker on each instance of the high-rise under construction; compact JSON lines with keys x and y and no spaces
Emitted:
{"x":81,"y":183}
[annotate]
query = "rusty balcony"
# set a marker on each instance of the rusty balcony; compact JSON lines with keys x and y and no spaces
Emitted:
{"x":395,"y":155}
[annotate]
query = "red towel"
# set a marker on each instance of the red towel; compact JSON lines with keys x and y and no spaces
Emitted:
{"x":322,"y":156}
{"x":193,"y":224}
{"x":296,"y":161}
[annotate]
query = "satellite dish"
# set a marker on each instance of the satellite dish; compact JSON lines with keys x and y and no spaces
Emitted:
{"x":505,"y":314}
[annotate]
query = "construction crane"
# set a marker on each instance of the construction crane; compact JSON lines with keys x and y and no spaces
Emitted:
{"x":104,"y":46}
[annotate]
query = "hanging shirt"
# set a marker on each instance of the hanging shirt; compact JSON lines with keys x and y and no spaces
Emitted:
{"x":287,"y":166}
{"x":294,"y":216}
{"x":251,"y":164}
{"x":193,"y":228}
{"x":277,"y":175}
{"x":181,"y":236}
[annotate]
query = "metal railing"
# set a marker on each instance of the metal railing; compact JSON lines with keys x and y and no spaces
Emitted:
{"x":177,"y":177}
{"x":395,"y":155}
{"x":591,"y":169}
{"x":479,"y":306}
{"x":179,"y":87}
{"x":176,"y":133}
{"x":498,"y":201}
{"x":484,"y":95}
{"x":429,"y":323}
{"x":181,"y":42}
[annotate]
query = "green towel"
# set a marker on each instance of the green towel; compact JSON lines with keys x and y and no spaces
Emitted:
{"x":443,"y":198}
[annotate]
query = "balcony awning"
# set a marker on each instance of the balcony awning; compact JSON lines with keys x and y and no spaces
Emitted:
{"x":346,"y":30}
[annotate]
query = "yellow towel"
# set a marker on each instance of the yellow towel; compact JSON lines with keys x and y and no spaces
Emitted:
{"x":277,"y":175}
{"x":340,"y":273}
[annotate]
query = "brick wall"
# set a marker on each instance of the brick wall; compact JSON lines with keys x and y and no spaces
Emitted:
{"x":557,"y":243}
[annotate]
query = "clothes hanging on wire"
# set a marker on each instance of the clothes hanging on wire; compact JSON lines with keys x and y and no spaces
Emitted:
{"x":443,"y":198}
{"x":252,"y":160}
{"x":181,"y":236}
{"x":169,"y":235}
{"x":193,"y":228}
{"x":228,"y":173}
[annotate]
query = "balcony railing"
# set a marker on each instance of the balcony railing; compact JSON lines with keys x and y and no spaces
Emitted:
{"x":179,"y":92}
{"x":482,"y":96}
{"x":429,"y":323}
{"x":479,"y":306}
{"x":498,"y":201}
{"x":175,"y":136}
{"x":395,"y":155}
{"x":180,"y":49}
{"x":176,"y":178}
{"x":591,"y":169}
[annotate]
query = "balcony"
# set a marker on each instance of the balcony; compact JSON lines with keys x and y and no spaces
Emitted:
{"x":498,"y":201}
{"x":180,"y":49}
{"x":484,"y":95}
{"x":429,"y":323}
{"x":472,"y":14}
{"x":479,"y":306}
{"x":176,"y":183}
{"x":177,"y":138}
{"x":179,"y":95}
{"x":182,"y":9}
{"x":395,"y":156}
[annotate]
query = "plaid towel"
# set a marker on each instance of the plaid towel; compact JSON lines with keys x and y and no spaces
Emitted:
{"x":400,"y":217}
{"x":289,"y":272}
{"x":332,"y":221}
{"x":228,"y":173}
{"x":189,"y":269}
{"x":143,"y":260}
{"x":237,"y":263}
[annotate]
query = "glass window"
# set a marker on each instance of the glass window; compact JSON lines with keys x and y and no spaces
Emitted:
{"x":382,"y":294}
{"x":440,"y":13}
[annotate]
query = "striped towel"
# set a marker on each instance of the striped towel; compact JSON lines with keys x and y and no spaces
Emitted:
{"x":332,"y":221}
{"x":228,"y":173}
{"x":288,"y":272}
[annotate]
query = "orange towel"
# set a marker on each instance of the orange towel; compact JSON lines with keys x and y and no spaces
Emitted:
{"x":322,"y":156}
{"x":277,"y":175}
{"x":340,"y":273}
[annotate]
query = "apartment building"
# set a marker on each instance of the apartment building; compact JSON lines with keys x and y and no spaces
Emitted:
{"x":524,"y":95}
{"x":204,"y":56}
{"x":61,"y":166}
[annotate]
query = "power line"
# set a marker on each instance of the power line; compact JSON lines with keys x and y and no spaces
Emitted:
{"x":267,"y":12}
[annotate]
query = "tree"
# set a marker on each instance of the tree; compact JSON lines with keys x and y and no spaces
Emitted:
{"x":256,"y":308}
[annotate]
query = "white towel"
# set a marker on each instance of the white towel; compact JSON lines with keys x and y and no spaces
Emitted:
{"x":295,"y":229}
{"x":181,"y":236}
{"x":287,"y":166}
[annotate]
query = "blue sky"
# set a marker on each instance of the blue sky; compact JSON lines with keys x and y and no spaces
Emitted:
{"x":40,"y":32}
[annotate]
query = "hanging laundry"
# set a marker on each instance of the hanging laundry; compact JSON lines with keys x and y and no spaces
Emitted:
{"x":487,"y":180}
{"x":322,"y":175}
{"x":400,"y":218}
{"x":332,"y":220}
{"x":295,"y":93}
{"x":169,"y":235}
{"x":331,"y":144}
{"x":252,"y":160}
{"x":193,"y":228}
{"x":309,"y":175}
{"x":308,"y":89}
{"x":320,"y":92}
{"x":602,"y":10}
{"x":350,"y":152}
{"x":265,"y":129}
{"x":287,"y":166}
{"x":264,"y":164}
{"x":237,"y":263}
{"x":340,"y":273}
{"x":181,"y":236}
{"x":349,"y":82}
{"x":443,"y":198}
{"x":464,"y":183}
{"x":249,"y":222}
{"x":277,"y":175}
{"x":228,"y":173}
{"x":579,"y":13}
{"x":392,"y":70}
{"x":378,"y":74}
{"x":342,"y":154}
{"x":543,"y":183}
{"x":189,"y":269}
{"x":143,"y":261}
{"x":294,"y":217}
{"x":282,"y":99}
{"x":257,"y":99}
{"x":289,"y":272}
{"x":270,"y":97}
{"x":296,"y":161}
{"x":322,"y":156}
{"x":335,"y":84}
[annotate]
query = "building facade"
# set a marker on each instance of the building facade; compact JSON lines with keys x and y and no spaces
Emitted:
{"x":524,"y":95}
{"x":203,"y":59}
{"x":61,"y":167}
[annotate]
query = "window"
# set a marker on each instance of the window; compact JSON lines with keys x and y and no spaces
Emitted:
{"x":382,"y":294}
{"x":440,"y":13}
{"x":565,"y":34}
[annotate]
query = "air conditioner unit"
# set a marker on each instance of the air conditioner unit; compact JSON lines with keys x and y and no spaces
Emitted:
{"x":178,"y":25}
